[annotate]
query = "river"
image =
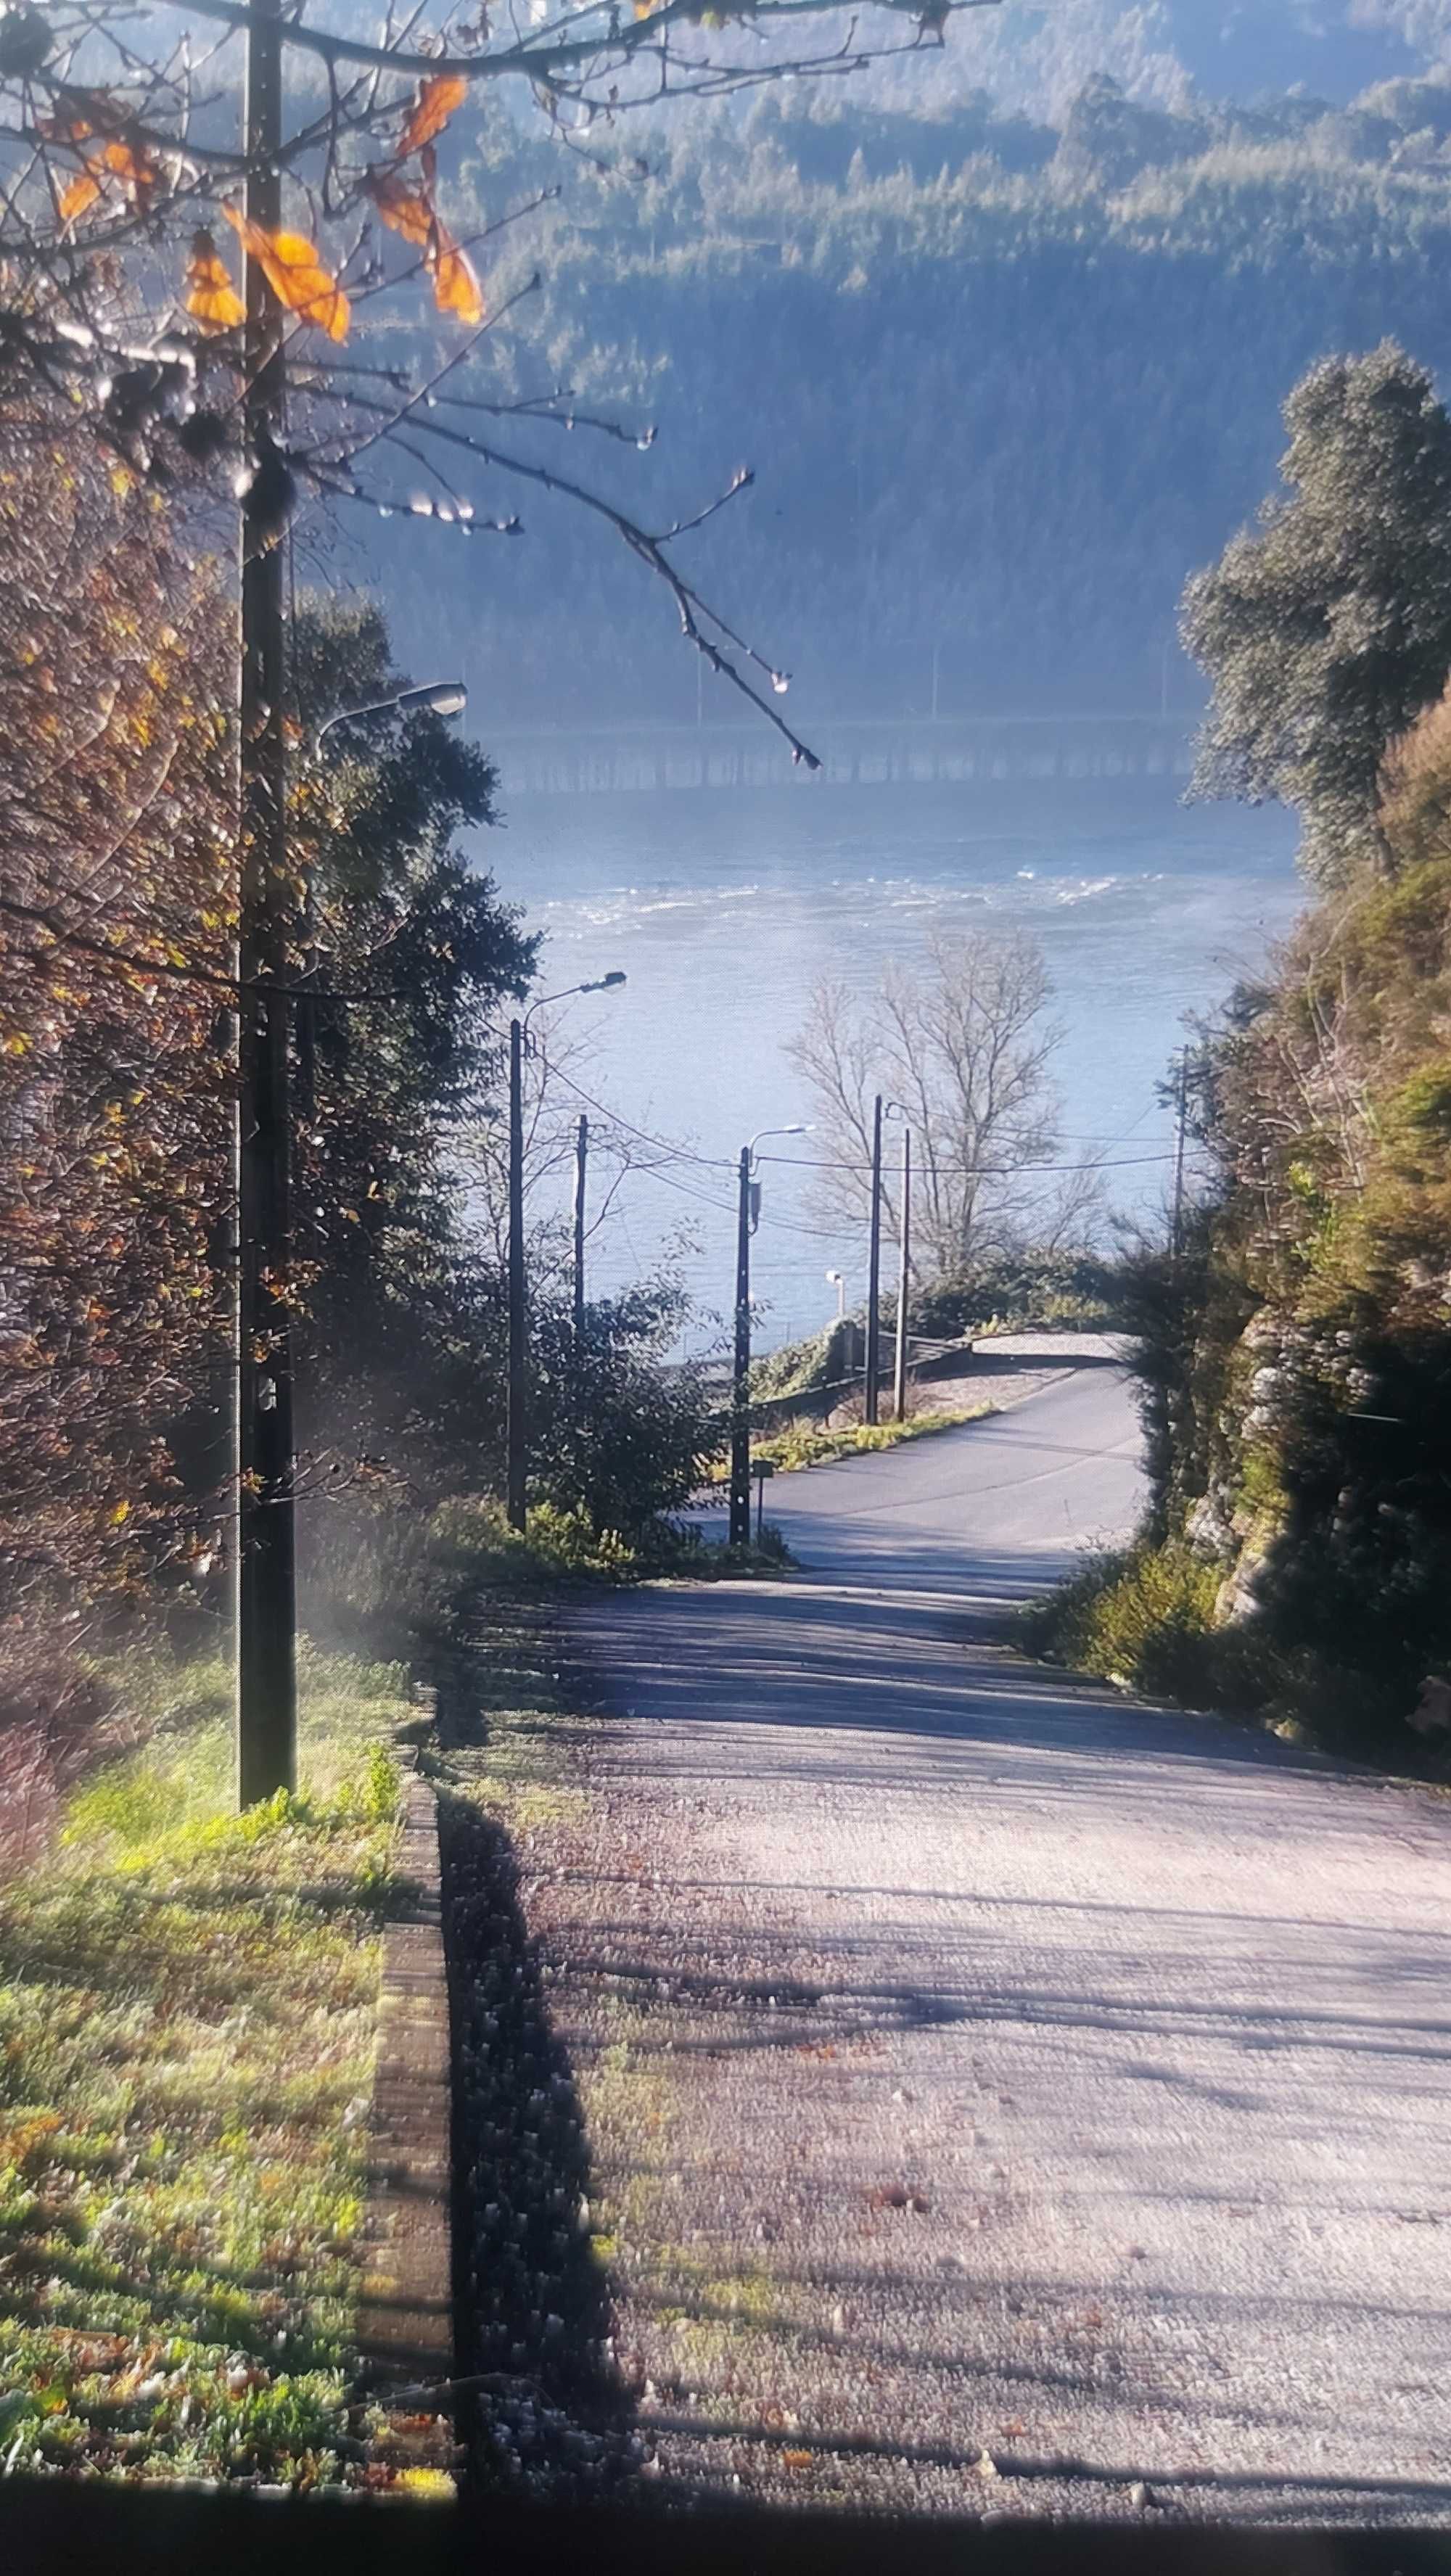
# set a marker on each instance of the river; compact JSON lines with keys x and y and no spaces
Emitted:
{"x":725,"y":908}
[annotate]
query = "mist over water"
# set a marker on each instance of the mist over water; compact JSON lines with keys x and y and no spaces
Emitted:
{"x":725,"y":908}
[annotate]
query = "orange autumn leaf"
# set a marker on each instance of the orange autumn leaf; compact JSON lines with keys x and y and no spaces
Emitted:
{"x":410,"y":212}
{"x":133,"y":165}
{"x":405,"y":210}
{"x":211,"y":298}
{"x":431,"y":110}
{"x":295,"y":274}
{"x":82,"y":193}
{"x":456,"y":289}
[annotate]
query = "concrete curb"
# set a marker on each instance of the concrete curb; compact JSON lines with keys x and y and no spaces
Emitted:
{"x":405,"y":2299}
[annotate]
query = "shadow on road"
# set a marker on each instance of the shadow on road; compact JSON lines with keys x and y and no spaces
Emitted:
{"x":547,"y":2412}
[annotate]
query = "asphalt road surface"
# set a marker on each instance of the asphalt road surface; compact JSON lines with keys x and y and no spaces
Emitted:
{"x":1006,"y":2098}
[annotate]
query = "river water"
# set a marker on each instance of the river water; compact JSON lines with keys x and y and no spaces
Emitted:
{"x":725,"y":908}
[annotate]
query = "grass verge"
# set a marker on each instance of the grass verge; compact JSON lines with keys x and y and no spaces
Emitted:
{"x":188,"y":2029}
{"x":420,"y":1577}
{"x":187,"y":2007}
{"x":1143,"y":1617}
{"x":785,"y":1451}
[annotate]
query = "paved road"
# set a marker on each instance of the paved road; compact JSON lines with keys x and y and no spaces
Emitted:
{"x":1004,"y":2097}
{"x":988,"y":1515}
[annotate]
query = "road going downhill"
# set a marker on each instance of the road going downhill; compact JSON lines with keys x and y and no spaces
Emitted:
{"x":1004,"y":2097}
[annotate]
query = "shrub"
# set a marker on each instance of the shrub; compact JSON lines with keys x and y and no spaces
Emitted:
{"x":1143,"y":1617}
{"x":1033,"y":1291}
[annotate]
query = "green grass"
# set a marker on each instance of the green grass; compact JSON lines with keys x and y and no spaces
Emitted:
{"x":182,"y":1708}
{"x":785,"y":1451}
{"x":1143,"y":1617}
{"x":396,"y":1580}
{"x":187,"y":2010}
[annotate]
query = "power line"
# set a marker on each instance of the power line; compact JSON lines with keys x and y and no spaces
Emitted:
{"x":654,"y":1172}
{"x":979,"y":1171}
{"x":800,"y":1163}
{"x":803,"y":1163}
{"x":662,"y":1144}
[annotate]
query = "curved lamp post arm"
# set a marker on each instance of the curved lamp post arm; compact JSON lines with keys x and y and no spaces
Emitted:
{"x":597,"y":984}
{"x":762,"y":1132}
{"x":437,"y":697}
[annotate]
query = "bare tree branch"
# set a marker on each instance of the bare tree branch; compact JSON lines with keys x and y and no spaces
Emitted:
{"x":964,"y":1047}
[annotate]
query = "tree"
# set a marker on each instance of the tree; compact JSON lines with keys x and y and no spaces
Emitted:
{"x":129,"y":179}
{"x":116,"y":913}
{"x":964,"y":1048}
{"x":622,"y":1436}
{"x":555,"y":1057}
{"x":1328,"y":632}
{"x":409,"y":956}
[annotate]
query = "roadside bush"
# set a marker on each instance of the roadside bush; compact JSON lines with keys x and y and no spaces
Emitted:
{"x":676,"y":1548}
{"x":801,"y":1446}
{"x":1143,"y":1617}
{"x":823,"y":1359}
{"x":1024,"y":1293}
{"x":620,"y":1436}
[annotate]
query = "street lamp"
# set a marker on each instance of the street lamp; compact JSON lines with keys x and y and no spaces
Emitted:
{"x":435,"y":698}
{"x":837,"y":1279}
{"x":516,"y":1489}
{"x":748,"y":1218}
{"x":598,"y":984}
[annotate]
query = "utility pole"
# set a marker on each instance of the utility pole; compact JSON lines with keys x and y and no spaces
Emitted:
{"x":740,"y":1520}
{"x":1181,"y":1122}
{"x":266,"y":1533}
{"x":874,"y":1269}
{"x":518,"y":1429}
{"x":581,"y":1155}
{"x":517,"y":1478}
{"x":904,"y":1264}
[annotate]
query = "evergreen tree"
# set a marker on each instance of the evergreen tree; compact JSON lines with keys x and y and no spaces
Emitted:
{"x":1328,"y":631}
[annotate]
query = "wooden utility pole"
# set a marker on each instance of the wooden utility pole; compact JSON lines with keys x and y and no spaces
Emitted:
{"x":518,"y":1429}
{"x":874,"y":1269}
{"x":740,"y":1520}
{"x":581,"y":1156}
{"x":904,"y":1267}
{"x":1181,"y":1122}
{"x":266,"y":1549}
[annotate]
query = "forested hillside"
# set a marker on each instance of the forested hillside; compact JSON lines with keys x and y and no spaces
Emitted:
{"x":1004,"y":383}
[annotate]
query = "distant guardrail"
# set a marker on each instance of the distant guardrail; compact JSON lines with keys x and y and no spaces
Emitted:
{"x":863,"y":751}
